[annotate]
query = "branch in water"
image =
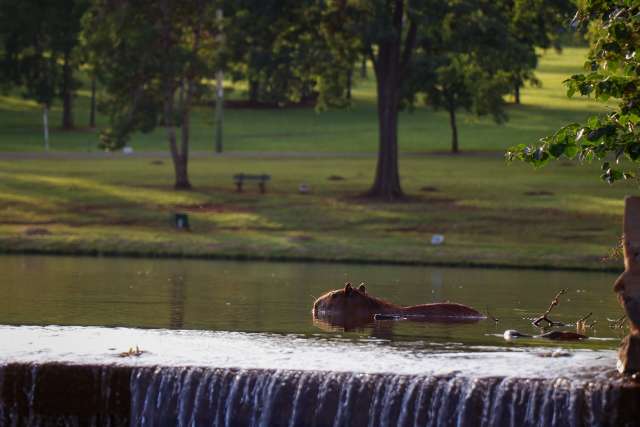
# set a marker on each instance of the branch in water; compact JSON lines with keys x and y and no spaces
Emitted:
{"x":617,"y":323}
{"x":495,"y":319}
{"x":545,"y":317}
{"x":582,"y":325}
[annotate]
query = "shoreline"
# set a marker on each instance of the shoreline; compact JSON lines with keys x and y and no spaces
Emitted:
{"x":96,"y":253}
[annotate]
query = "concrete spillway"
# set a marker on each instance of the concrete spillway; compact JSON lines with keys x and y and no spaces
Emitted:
{"x":69,"y":376}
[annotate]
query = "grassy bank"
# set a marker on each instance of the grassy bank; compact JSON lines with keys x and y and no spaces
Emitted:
{"x":544,"y":109}
{"x":490,"y":213}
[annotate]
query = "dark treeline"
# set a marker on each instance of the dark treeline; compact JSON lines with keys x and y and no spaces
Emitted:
{"x":154,"y":60}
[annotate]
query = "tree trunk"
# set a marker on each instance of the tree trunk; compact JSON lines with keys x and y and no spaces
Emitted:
{"x":387,"y":180}
{"x":516,"y":93}
{"x":92,"y":111}
{"x":454,"y":130}
{"x":391,"y":64}
{"x":45,"y":126}
{"x":178,"y":156}
{"x":181,"y":96}
{"x":349,"y":83}
{"x":363,"y":68}
{"x":67,"y":93}
{"x":184,"y":140}
{"x":254,"y":91}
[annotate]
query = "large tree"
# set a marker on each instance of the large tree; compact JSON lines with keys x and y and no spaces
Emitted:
{"x":534,"y":24}
{"x":459,"y":82}
{"x":456,"y":62}
{"x":612,"y":74}
{"x":387,"y":31}
{"x":265,"y":48}
{"x":39,"y":50}
{"x":146,"y":53}
{"x":394,"y":32}
{"x":288,"y":51}
{"x":390,"y":39}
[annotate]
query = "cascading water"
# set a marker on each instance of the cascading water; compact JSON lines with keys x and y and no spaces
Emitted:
{"x":64,"y":394}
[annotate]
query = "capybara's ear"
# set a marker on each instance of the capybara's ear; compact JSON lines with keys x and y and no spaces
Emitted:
{"x":362,"y":288}
{"x":347,"y":288}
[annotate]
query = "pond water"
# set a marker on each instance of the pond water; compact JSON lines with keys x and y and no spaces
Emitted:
{"x":276,"y":298}
{"x":232,"y":343}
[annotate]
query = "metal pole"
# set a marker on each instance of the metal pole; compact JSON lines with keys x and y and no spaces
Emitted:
{"x":219,"y":91}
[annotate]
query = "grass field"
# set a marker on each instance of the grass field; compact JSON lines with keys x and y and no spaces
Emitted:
{"x":490,"y":213}
{"x":354,"y":130}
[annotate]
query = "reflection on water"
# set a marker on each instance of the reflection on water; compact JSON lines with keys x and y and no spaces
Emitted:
{"x":177,"y":298}
{"x":277,"y":297}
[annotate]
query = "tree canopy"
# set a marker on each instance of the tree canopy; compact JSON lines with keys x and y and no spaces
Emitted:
{"x":156,"y":59}
{"x":612,"y":75}
{"x":39,"y":39}
{"x":457,"y":62}
{"x":152,"y":58}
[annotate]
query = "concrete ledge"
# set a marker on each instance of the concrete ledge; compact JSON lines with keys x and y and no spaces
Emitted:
{"x":66,"y":394}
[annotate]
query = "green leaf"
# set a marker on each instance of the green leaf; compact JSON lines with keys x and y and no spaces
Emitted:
{"x":571,"y":151}
{"x":557,"y":150}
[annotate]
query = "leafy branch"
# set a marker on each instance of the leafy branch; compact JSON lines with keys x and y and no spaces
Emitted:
{"x":613,"y":72}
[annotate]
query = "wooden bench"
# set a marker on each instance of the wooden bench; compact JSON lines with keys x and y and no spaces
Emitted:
{"x":239,"y":179}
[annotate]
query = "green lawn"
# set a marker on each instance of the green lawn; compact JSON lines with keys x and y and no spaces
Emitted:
{"x":354,"y":130}
{"x":490,"y":213}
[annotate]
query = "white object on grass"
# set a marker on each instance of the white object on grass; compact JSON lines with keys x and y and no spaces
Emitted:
{"x":437,"y":239}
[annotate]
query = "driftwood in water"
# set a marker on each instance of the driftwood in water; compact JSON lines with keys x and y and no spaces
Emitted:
{"x":545,"y":316}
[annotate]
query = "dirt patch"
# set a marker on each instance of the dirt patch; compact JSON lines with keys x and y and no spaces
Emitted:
{"x":538,"y":193}
{"x":157,"y":162}
{"x":429,"y":189}
{"x":123,"y":221}
{"x":336,"y":178}
{"x":418,"y":229}
{"x":541,"y":218}
{"x":575,"y":237}
{"x":592,"y":229}
{"x":413,"y":199}
{"x":300,"y":238}
{"x":36,"y":231}
{"x":212,"y":208}
{"x":100,"y":207}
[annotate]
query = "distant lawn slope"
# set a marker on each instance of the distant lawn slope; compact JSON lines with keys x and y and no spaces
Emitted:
{"x":490,"y":213}
{"x":354,"y":130}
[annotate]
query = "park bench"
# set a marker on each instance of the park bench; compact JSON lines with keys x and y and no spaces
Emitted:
{"x":241,"y":177}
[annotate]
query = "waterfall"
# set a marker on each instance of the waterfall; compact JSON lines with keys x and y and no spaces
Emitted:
{"x":63,"y":394}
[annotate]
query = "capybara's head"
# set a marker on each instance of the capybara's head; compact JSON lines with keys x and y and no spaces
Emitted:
{"x":348,"y":300}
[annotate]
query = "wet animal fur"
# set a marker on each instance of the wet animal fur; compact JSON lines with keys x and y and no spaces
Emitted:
{"x":357,"y":303}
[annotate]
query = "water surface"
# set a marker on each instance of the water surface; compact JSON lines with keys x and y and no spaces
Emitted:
{"x":276,"y":298}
